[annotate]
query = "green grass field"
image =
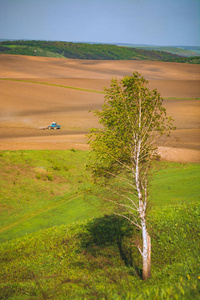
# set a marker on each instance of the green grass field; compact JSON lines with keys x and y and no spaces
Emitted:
{"x":57,"y":85}
{"x":57,"y":245}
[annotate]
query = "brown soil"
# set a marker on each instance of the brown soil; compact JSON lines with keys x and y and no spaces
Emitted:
{"x":26,"y":107}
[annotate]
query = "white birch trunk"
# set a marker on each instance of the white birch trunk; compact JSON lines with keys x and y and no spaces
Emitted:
{"x":146,"y":253}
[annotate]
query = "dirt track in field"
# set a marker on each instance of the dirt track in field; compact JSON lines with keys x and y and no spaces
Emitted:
{"x":28,"y":106}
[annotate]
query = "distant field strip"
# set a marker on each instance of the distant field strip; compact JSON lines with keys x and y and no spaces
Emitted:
{"x":41,"y":210}
{"x":82,"y":89}
{"x":174,"y":98}
{"x":52,"y":84}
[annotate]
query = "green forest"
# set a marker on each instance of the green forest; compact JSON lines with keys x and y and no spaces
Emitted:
{"x":89,"y":51}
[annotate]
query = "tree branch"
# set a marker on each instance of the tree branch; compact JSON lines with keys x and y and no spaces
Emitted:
{"x":121,"y":179}
{"x":140,"y":250}
{"x":122,"y":195}
{"x":136,"y":224}
{"x":119,"y":161}
{"x":117,"y":203}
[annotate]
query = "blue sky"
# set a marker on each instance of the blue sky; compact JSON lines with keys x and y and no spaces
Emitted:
{"x":153,"y":22}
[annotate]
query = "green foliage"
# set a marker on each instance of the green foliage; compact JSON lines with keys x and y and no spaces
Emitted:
{"x":131,"y":114}
{"x":181,"y":51}
{"x":88,"y":51}
{"x":50,"y":176}
{"x":188,"y":60}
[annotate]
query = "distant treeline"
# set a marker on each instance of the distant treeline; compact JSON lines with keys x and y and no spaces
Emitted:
{"x":89,"y":51}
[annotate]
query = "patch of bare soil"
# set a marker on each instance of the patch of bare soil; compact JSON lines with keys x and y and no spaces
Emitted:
{"x":13,"y":66}
{"x":26,"y":107}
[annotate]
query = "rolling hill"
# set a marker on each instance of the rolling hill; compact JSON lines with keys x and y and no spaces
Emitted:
{"x":56,"y":241}
{"x":89,"y":51}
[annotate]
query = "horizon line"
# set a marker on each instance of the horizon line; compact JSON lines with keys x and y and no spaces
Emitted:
{"x":102,"y":43}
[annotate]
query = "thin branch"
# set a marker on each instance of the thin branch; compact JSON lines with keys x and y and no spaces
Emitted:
{"x":145,"y":194}
{"x":122,"y":195}
{"x":121,"y":179}
{"x":129,"y":118}
{"x":119,"y":162}
{"x":119,"y":204}
{"x":140,"y":250}
{"x":147,"y":154}
{"x":127,"y":191}
{"x":145,"y":172}
{"x":122,"y":205}
{"x":149,"y":144}
{"x":137,"y":225}
{"x":152,"y":115}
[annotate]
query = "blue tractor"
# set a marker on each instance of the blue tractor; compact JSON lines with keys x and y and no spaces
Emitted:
{"x":54,"y":125}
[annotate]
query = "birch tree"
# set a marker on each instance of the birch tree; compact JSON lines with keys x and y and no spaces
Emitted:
{"x":132,"y":119}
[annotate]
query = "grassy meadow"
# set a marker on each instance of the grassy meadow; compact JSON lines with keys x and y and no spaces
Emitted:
{"x":56,"y":244}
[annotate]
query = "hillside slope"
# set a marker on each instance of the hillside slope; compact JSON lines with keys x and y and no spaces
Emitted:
{"x":72,"y":249}
{"x":98,"y":260}
{"x":88,"y":51}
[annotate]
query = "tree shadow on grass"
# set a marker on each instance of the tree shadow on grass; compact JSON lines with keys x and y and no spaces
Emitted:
{"x":115,"y":231}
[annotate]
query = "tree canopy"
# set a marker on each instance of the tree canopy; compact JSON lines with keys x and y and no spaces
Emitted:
{"x":131,"y":116}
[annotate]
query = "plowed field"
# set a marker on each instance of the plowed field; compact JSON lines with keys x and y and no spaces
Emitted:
{"x":34,"y":91}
